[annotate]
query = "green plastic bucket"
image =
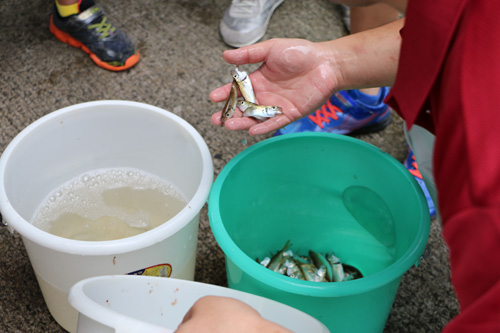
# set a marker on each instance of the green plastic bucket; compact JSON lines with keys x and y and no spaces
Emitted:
{"x":323,"y":192}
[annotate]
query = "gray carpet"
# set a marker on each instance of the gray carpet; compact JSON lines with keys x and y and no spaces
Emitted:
{"x":181,"y":63}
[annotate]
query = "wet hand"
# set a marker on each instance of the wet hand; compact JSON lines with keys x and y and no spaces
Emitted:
{"x":295,"y":74}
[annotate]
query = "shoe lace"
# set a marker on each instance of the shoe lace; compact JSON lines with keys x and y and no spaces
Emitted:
{"x":415,"y":172}
{"x":243,"y":6}
{"x":323,"y":115}
{"x":103,"y":28}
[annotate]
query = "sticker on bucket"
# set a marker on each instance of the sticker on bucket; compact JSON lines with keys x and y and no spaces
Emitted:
{"x":162,"y":270}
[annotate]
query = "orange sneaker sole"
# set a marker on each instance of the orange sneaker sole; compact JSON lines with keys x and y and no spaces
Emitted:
{"x":66,"y":38}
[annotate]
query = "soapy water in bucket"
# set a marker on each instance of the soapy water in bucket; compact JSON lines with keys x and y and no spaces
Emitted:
{"x":108,"y":204}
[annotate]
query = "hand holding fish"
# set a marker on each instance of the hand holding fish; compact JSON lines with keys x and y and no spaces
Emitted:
{"x":299,"y":76}
{"x":295,"y":75}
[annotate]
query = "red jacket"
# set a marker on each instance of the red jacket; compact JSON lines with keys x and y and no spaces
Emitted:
{"x":448,"y":81}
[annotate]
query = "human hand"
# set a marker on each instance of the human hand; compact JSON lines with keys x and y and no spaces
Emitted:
{"x":297,"y":75}
{"x":223,"y":314}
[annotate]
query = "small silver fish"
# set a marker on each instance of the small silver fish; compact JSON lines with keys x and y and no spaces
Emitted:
{"x":332,"y":258}
{"x":265,"y":261}
{"x":321,"y":274}
{"x":261,"y":112}
{"x":296,"y":275}
{"x":309,"y":272}
{"x":302,"y":259}
{"x":244,"y":83}
{"x":278,"y":258}
{"x":293,"y":269}
{"x":338,"y":272}
{"x":337,"y":268}
{"x":282,"y":270}
{"x":320,"y":260}
{"x":289,"y":262}
{"x":230,"y":106}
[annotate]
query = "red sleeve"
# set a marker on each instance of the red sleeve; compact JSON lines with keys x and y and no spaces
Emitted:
{"x":464,"y":99}
{"x":467,"y":165}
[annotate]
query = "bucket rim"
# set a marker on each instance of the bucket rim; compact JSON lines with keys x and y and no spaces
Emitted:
{"x":391,"y":273}
{"x":80,"y":299}
{"x":28,"y":231}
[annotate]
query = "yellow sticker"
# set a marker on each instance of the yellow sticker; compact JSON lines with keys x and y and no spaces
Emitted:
{"x":162,"y":270}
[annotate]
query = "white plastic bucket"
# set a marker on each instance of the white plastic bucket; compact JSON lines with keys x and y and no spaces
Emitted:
{"x":109,"y":304}
{"x":98,"y":135}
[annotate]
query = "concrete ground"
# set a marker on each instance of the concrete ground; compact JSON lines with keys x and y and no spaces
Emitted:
{"x":181,"y":63}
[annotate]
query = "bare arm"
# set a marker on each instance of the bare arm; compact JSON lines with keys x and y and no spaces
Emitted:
{"x":369,"y":58}
{"x":299,"y":75}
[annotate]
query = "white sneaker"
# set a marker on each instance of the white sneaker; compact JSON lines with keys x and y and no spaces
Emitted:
{"x":246,"y":21}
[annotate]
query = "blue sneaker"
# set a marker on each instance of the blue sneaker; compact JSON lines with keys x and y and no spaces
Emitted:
{"x":108,"y":46}
{"x":346,"y":112}
{"x":411,"y":164}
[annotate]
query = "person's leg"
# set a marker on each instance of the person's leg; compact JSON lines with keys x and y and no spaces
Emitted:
{"x":421,"y":149}
{"x":83,"y":24}
{"x":369,"y":17}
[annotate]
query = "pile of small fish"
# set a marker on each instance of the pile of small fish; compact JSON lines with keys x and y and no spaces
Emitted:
{"x":241,"y":82}
{"x":316,"y":267}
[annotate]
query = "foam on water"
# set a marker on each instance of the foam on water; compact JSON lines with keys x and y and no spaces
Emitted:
{"x":108,"y":204}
